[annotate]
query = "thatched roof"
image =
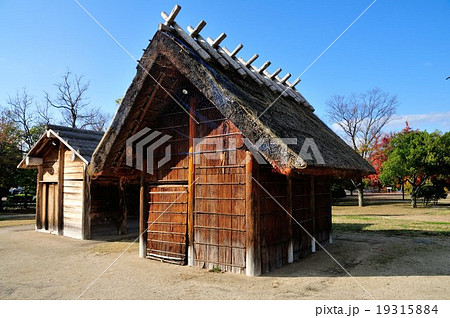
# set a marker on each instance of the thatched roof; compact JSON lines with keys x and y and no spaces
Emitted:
{"x":242,"y":100}
{"x":81,"y":141}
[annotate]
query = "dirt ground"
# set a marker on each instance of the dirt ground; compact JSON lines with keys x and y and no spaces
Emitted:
{"x":36,"y":265}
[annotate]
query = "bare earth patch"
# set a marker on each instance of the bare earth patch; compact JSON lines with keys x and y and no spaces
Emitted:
{"x":403,"y":265}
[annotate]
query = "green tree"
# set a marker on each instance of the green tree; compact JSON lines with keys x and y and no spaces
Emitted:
{"x":10,"y":155}
{"x":415,"y":157}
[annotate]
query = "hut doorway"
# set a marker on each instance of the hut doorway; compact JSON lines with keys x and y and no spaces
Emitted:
{"x":50,"y":206}
{"x":167,"y":223}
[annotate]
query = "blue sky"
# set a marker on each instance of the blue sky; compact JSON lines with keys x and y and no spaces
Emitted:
{"x":401,"y":46}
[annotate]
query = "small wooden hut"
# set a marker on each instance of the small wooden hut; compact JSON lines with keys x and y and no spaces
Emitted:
{"x":68,"y":201}
{"x":268,"y":206}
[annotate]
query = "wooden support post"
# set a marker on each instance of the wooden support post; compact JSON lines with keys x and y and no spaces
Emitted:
{"x":290,"y":240}
{"x":60,"y":205}
{"x":86,"y":217}
{"x":191,"y":178}
{"x":253,"y":254}
{"x":123,"y":219}
{"x":39,"y":199}
{"x":143,"y":199}
{"x":313,"y":212}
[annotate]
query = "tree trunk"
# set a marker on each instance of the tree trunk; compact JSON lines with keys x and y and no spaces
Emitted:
{"x":360,"y":195}
{"x":413,"y":201}
{"x":414,"y":197}
{"x":403,"y":191}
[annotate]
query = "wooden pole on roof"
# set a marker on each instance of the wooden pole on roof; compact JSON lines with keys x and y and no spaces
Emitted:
{"x":191,"y":183}
{"x":290,"y":252}
{"x":252,"y":248}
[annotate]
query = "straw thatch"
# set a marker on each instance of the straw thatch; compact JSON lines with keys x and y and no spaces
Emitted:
{"x":240,"y":100}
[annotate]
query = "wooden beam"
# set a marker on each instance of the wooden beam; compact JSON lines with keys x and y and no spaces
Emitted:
{"x":197,"y":48}
{"x":227,"y":56}
{"x":313,"y":212}
{"x":33,"y":161}
{"x":143,"y":193}
{"x":86,"y":216}
{"x":264,"y":66}
{"x":39,"y":193}
{"x":60,"y":205}
{"x":170,"y":19}
{"x":191,"y":178}
{"x":252,"y":255}
{"x":206,"y":45}
{"x":290,"y":251}
{"x":123,"y":219}
{"x":215,"y":43}
{"x":236,"y":50}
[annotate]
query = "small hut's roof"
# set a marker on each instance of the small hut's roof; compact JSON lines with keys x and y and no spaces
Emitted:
{"x":242,"y":93}
{"x":81,"y":141}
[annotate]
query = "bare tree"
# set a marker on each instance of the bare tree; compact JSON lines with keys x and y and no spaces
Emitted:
{"x":362,"y":118}
{"x":72,"y":102}
{"x":22,"y":114}
{"x":96,"y":120}
{"x":45,"y":116}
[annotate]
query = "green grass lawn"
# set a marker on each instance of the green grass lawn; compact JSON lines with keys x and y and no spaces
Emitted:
{"x":392,"y":218}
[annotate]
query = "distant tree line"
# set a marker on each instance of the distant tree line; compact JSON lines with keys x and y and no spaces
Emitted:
{"x":23,"y":120}
{"x":417,"y":159}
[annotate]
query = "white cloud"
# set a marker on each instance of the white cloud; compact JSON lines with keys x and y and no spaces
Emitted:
{"x":429,"y":121}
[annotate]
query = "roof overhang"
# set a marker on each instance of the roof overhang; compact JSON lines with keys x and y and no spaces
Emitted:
{"x":33,"y":160}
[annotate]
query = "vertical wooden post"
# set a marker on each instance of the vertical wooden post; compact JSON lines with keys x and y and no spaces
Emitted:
{"x":143,"y":198}
{"x":290,"y":241}
{"x":191,"y":178}
{"x":39,"y":194}
{"x":60,"y":205}
{"x":313,"y":212}
{"x":252,"y":255}
{"x":86,"y":216}
{"x":123,"y":219}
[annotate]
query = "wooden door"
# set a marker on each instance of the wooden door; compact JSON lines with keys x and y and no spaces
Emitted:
{"x":167,"y":223}
{"x":50,"y":207}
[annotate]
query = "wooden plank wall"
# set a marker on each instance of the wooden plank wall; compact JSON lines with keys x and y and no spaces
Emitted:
{"x":73,"y":195}
{"x":167,"y":191}
{"x":273,"y":227}
{"x":50,"y":166}
{"x":50,"y":173}
{"x":219,"y":223}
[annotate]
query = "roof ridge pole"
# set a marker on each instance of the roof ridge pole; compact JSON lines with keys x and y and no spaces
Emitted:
{"x":170,"y":21}
{"x":227,"y":56}
{"x":195,"y":34}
